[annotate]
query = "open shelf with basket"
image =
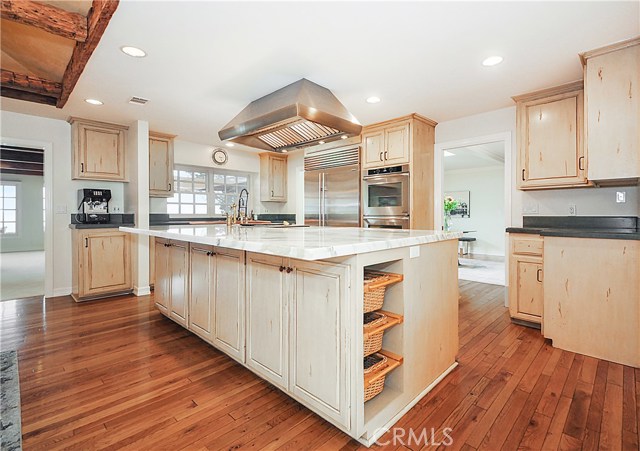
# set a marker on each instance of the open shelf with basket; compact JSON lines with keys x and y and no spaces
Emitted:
{"x":378,"y":362}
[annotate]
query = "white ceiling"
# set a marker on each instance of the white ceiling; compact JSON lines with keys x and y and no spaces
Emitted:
{"x":207,"y":60}
{"x":474,"y":157}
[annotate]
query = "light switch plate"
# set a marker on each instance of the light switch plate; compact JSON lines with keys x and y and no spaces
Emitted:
{"x":621,"y":197}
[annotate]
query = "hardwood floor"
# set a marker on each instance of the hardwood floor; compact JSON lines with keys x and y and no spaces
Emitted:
{"x":115,"y":374}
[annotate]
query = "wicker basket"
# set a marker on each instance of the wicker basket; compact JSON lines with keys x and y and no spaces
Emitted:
{"x":375,"y":285}
{"x":373,"y":342}
{"x":372,"y":363}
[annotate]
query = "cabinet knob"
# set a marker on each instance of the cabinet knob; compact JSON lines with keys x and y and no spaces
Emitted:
{"x":289,"y":269}
{"x":282,"y":268}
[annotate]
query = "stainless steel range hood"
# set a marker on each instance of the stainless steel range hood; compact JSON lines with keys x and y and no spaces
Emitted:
{"x":300,"y":114}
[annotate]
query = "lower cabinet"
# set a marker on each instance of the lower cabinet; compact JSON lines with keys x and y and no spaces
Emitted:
{"x":216,"y":301}
{"x":318,"y":337}
{"x":267,"y":318}
{"x":171,"y":284}
{"x":101,"y":263}
{"x":297,"y":330}
{"x":526,"y":290}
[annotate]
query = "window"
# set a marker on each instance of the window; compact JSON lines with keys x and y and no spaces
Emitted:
{"x":8,"y":208}
{"x":205,"y":191}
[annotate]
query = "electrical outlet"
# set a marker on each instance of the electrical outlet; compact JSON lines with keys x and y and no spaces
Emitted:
{"x":621,"y":197}
{"x":116,"y":209}
{"x":572,"y":209}
{"x":530,"y":209}
{"x":61,"y":209}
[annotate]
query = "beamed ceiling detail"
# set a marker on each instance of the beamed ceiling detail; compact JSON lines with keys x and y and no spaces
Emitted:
{"x":45,"y":47}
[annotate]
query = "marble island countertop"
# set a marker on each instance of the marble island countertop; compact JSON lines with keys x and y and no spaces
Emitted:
{"x":305,"y":243}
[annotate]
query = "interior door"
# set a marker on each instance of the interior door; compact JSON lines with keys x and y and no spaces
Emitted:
{"x":342,"y":197}
{"x":312,"y":181}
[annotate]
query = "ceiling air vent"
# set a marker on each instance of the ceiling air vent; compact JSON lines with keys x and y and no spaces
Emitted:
{"x":138,"y":100}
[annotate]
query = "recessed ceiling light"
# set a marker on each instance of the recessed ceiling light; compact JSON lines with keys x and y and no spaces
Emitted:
{"x":492,"y":61}
{"x":229,"y":144}
{"x":373,"y":99}
{"x":133,"y":51}
{"x":449,"y":154}
{"x":284,"y":151}
{"x":344,"y":137}
{"x":94,"y":101}
{"x":320,"y":142}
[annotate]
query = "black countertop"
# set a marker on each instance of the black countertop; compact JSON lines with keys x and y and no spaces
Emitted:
{"x":607,"y":227}
{"x":115,"y":220}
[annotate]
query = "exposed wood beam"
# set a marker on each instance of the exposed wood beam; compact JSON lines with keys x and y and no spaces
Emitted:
{"x":14,"y":165}
{"x":28,"y":96}
{"x":99,"y":16}
{"x":18,"y":172}
{"x":28,"y":83}
{"x":21,"y":156}
{"x":46,"y":17}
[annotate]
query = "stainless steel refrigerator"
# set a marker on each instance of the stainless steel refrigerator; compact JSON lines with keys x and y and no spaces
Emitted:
{"x":332,"y":189}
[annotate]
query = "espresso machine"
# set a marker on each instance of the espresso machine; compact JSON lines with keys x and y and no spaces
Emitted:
{"x":93,"y":205}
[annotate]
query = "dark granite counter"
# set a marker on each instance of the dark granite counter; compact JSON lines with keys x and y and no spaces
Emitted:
{"x":115,"y":220}
{"x":607,"y":227}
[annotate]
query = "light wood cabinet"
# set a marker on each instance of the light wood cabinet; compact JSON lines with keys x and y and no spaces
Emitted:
{"x":612,"y":102}
{"x":171,"y":284}
{"x":591,"y":295}
{"x":526,"y":289}
{"x":201,"y":291}
{"x":229,"y":302}
{"x":387,"y":146}
{"x":273,"y":177}
{"x":267,"y":305}
{"x":160,"y":165}
{"x":318,"y":337}
{"x":407,"y":140}
{"x":101,"y":263}
{"x":98,"y":150}
{"x":550,"y":138}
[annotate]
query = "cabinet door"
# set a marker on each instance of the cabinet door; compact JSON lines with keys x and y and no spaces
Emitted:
{"x":99,"y":153}
{"x":318,"y":338}
{"x":552,"y":146}
{"x":278,"y":179}
{"x":160,"y":168}
{"x":613,"y":114}
{"x":162,"y":283}
{"x":591,"y":295}
{"x":397,"y":144}
{"x":267,"y":349}
{"x":106,"y":264}
{"x":201,"y":291}
{"x":526,"y":291}
{"x":179,"y":266}
{"x":229,"y":302}
{"x":373,"y":149}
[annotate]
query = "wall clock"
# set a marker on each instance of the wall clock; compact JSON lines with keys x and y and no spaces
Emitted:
{"x":219,"y":156}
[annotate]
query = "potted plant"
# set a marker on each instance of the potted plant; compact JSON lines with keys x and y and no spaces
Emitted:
{"x":450,"y":204}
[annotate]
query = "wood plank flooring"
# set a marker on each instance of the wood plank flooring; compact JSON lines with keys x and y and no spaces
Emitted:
{"x":115,"y":374}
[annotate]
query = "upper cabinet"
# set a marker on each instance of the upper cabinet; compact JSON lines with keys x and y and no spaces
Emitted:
{"x":386,"y":145}
{"x":550,"y":138}
{"x":612,"y":92}
{"x":98,"y":150}
{"x":273,"y":177}
{"x":160,"y":165}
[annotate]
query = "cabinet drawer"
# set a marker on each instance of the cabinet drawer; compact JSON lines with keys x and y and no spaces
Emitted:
{"x":528,"y":246}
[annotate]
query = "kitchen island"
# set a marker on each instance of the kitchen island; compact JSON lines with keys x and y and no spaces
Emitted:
{"x":287,"y":303}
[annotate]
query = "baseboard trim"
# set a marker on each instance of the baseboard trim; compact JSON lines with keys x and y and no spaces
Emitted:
{"x":142,"y":291}
{"x":61,"y":292}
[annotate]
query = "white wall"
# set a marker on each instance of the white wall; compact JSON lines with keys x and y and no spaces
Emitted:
{"x":486,"y":187}
{"x":57,"y":134}
{"x":30,"y":236}
{"x":195,"y":154}
{"x":588,"y":201}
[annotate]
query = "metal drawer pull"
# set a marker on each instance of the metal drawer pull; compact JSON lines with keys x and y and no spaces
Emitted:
{"x":386,"y":154}
{"x":81,"y":167}
{"x":86,"y":242}
{"x":580,"y":163}
{"x":538,"y":274}
{"x":523,"y":175}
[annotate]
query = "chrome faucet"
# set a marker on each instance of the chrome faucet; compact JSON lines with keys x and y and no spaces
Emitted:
{"x":243,"y":204}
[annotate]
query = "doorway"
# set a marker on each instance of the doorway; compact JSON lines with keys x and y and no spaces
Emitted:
{"x":473,"y":197}
{"x":25,"y":221}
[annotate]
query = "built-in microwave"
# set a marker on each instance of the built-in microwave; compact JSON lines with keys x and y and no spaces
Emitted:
{"x":386,"y":194}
